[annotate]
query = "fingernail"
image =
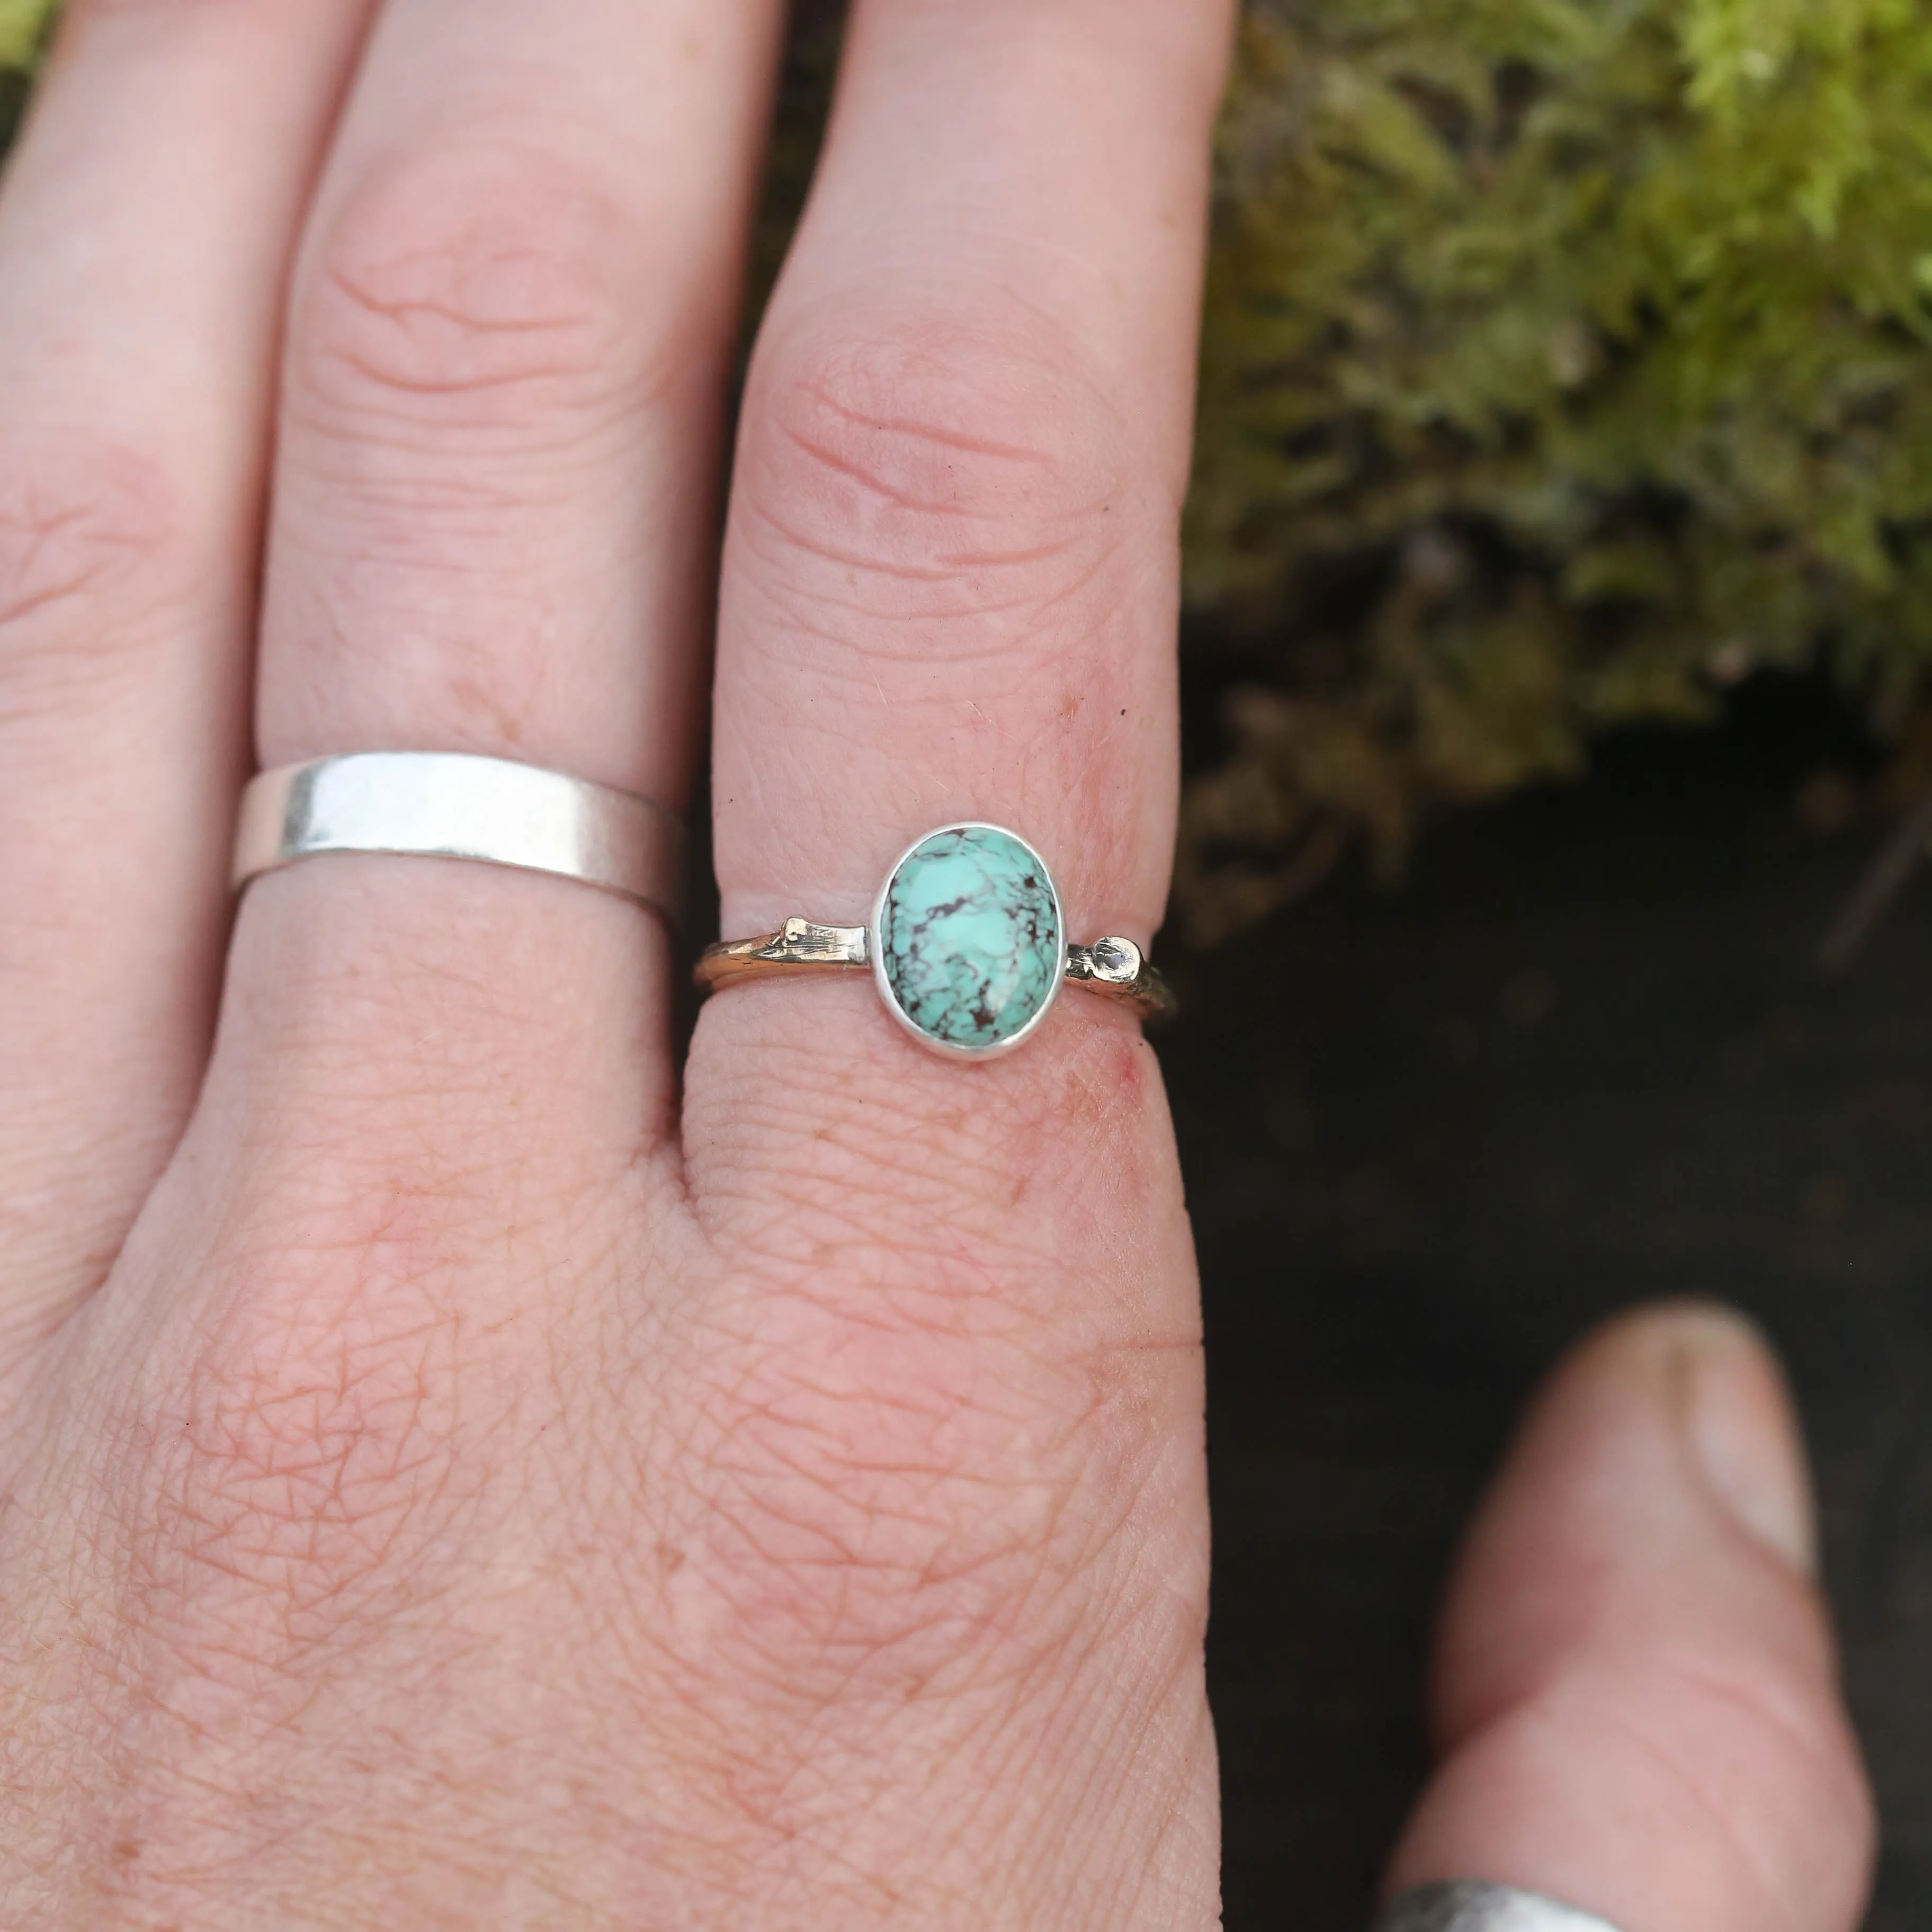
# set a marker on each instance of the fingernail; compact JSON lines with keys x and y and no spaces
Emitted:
{"x":1743,"y":1433}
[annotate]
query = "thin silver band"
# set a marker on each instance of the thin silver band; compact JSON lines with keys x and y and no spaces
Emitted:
{"x":1115,"y":968}
{"x":1472,"y":1906}
{"x":451,"y":804}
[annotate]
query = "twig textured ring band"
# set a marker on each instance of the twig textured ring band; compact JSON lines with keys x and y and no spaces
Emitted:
{"x":967,"y":945}
{"x":451,"y":804}
{"x":1473,"y":1906}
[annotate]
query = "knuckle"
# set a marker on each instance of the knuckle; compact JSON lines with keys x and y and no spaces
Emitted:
{"x":951,"y":486}
{"x":299,"y":1461}
{"x":95,"y":551}
{"x":1788,"y":1787}
{"x":892,"y":1145}
{"x":907,"y":1489}
{"x":462,"y":286}
{"x":1768,"y":1769}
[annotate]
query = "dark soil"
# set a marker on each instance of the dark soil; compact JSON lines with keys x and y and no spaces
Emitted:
{"x":1581,"y":1057}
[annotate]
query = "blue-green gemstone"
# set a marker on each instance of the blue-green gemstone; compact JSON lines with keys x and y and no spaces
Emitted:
{"x":969,"y":936}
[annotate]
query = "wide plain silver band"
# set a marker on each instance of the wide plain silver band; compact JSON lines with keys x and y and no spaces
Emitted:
{"x":1470,"y":1906}
{"x":453,"y":805}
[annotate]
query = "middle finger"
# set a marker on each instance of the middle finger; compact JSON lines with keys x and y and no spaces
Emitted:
{"x":494,"y":489}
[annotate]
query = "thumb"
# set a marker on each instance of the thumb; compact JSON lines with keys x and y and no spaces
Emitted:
{"x":1636,"y":1690}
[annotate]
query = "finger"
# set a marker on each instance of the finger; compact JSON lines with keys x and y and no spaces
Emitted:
{"x":144,"y":224}
{"x":951,"y":572}
{"x":494,"y":494}
{"x":1636,"y":1691}
{"x":957,"y":1317}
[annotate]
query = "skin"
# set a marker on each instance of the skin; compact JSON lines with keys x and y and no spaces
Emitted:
{"x":463,"y":1469}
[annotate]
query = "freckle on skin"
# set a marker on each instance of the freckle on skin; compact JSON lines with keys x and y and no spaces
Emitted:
{"x":471,"y":694}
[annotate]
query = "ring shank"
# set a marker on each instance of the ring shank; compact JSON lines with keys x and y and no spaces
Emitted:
{"x":798,"y":946}
{"x":1470,"y":1905}
{"x":458,"y":806}
{"x":1117,"y":969}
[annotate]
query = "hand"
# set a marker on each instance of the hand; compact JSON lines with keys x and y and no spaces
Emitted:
{"x":460,"y":1474}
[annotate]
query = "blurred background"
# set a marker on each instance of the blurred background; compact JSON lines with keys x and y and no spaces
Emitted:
{"x":1583,"y":1055}
{"x":1559,"y":616}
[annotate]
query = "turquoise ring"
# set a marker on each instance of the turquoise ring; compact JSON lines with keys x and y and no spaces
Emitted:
{"x":967,"y":945}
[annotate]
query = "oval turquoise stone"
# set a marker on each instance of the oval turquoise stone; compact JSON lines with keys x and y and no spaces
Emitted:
{"x":969,"y":943}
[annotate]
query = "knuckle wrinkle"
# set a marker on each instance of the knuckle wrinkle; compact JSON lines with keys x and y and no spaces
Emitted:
{"x":463,"y":285}
{"x":937,"y":471}
{"x":94,"y":540}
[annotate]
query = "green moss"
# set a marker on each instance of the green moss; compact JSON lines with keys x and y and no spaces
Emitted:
{"x":21,"y":22}
{"x":1563,"y":363}
{"x":1564,"y":360}
{"x":24,"y":25}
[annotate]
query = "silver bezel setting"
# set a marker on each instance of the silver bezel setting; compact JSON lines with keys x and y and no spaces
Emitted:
{"x":875,"y":945}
